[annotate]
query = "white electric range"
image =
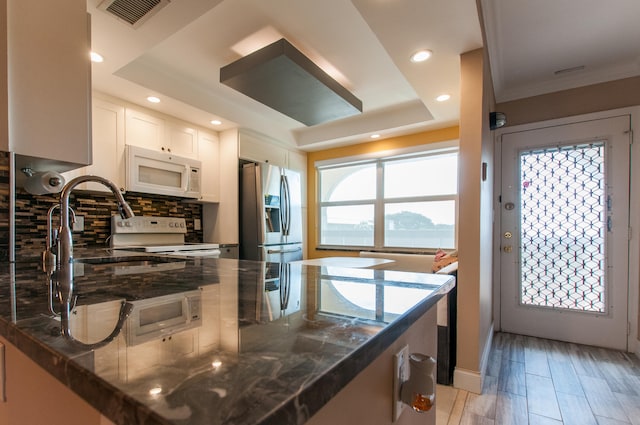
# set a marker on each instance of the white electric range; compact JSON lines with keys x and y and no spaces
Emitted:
{"x":160,"y":235}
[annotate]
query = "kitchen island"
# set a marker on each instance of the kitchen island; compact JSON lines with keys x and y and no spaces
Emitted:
{"x":262,"y":343}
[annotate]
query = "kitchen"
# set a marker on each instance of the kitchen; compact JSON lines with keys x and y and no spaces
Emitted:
{"x":216,"y":232}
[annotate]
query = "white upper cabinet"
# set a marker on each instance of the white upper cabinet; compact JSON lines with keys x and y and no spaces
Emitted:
{"x":144,"y":130}
{"x":161,"y":134}
{"x":182,"y":140}
{"x":253,"y":147}
{"x":209,"y":154}
{"x":46,"y":69}
{"x":108,"y":146}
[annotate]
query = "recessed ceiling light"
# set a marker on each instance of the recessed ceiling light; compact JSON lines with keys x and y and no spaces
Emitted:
{"x":421,"y":55}
{"x":375,"y":136}
{"x":153,"y":99}
{"x":443,"y":97}
{"x":216,"y":122}
{"x":96,"y":57}
{"x":155,"y":390}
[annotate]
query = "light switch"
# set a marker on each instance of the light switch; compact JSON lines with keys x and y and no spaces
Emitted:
{"x":197,"y":225}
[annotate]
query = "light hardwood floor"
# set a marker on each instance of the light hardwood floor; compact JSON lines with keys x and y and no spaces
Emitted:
{"x":533,"y":381}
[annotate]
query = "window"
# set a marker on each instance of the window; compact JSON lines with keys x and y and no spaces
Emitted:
{"x":407,"y":201}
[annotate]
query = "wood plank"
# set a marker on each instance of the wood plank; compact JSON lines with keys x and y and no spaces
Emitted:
{"x":458,"y":408}
{"x":602,"y":401}
{"x":541,"y":397}
{"x":469,"y":418}
{"x":631,"y":407}
{"x":512,"y":378}
{"x":511,"y":409}
{"x":495,"y":362}
{"x":564,"y":376}
{"x":609,"y":421}
{"x":484,"y":404}
{"x":542,"y":420}
{"x":535,"y":355}
{"x":584,"y":360}
{"x":514,"y":347}
{"x":575,"y":410}
{"x":629,"y":385}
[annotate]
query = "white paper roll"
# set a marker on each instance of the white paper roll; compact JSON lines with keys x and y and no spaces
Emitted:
{"x":44,"y":182}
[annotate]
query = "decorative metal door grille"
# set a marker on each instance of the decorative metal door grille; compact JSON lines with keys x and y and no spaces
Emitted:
{"x":563,"y":211}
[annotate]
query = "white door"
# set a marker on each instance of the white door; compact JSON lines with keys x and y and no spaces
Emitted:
{"x":564,"y":232}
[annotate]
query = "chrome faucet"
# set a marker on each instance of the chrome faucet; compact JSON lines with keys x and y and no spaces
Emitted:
{"x":64,"y":259}
{"x":49,"y":255}
{"x":65,"y":240}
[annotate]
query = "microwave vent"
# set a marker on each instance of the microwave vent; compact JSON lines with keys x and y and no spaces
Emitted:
{"x":133,"y":12}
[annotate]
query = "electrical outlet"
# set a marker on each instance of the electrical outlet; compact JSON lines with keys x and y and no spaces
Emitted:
{"x":78,"y":225}
{"x":400,"y":375}
{"x":197,"y":224}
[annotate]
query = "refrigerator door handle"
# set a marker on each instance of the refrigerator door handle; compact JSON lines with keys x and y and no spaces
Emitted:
{"x":285,"y":211}
{"x":283,"y":251}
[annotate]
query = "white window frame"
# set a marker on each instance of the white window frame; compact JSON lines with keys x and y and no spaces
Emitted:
{"x":379,"y":202}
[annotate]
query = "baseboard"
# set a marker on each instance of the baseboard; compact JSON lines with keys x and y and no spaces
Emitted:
{"x":470,"y":380}
{"x":467,"y":380}
{"x":484,"y":360}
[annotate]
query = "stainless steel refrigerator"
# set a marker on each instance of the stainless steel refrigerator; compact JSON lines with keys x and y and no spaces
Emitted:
{"x":270,"y":214}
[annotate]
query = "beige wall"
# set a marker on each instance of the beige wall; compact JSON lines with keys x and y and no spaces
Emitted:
{"x":368,"y":398}
{"x":475,"y":248}
{"x":36,"y":397}
{"x":582,"y":100}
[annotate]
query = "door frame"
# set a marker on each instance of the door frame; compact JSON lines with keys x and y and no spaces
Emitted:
{"x":633,"y":339}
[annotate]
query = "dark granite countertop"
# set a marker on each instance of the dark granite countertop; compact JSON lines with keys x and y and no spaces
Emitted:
{"x":274,"y":343}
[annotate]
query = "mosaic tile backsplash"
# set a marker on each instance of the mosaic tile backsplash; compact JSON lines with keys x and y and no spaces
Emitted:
{"x":96,"y":208}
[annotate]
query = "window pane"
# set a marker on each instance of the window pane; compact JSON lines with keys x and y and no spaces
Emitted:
{"x":420,"y":224}
{"x":426,"y":176}
{"x":353,"y":183}
{"x":347,"y":225}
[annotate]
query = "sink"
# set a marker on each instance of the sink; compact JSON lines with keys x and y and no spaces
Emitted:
{"x":132,"y":264}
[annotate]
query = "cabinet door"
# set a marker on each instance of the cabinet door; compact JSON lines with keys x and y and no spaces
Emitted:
{"x":182,"y":140}
{"x":209,"y":154}
{"x":144,"y":130}
{"x":50,"y":93}
{"x":108,"y":147}
{"x":254,"y":148}
{"x":108,"y":144}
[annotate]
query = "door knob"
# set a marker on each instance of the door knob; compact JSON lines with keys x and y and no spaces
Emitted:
{"x":507,"y":249}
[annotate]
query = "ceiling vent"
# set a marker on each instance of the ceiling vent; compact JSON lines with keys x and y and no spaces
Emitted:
{"x":133,"y":12}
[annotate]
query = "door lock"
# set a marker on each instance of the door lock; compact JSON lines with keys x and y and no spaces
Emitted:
{"x":507,"y":249}
{"x":507,"y":235}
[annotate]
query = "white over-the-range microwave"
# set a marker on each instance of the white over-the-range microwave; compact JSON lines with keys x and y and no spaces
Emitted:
{"x":162,"y":316}
{"x":161,"y":173}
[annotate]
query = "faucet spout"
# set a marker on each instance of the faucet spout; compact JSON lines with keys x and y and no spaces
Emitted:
{"x":65,"y":239}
